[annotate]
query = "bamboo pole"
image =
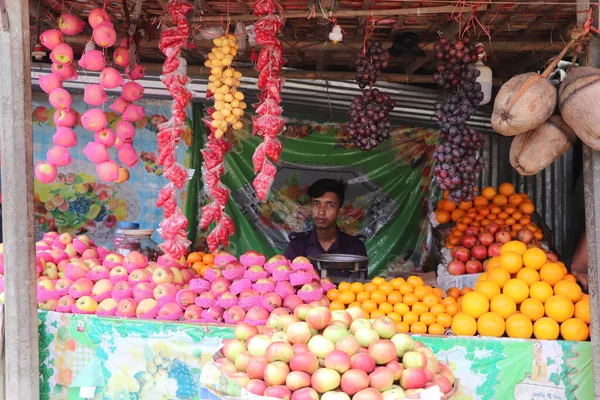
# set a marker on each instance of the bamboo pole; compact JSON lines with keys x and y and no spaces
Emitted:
{"x":417,"y":11}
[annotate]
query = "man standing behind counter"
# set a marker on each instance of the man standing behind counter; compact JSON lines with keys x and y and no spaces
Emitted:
{"x":327,"y":199}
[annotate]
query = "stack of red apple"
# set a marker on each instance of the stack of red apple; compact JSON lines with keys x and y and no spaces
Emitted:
{"x":478,"y":245}
{"x":332,"y":355}
{"x":248,"y":290}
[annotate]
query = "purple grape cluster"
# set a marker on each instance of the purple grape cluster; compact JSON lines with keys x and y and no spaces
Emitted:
{"x":369,"y":122}
{"x":457,"y":163}
{"x":370,"y":63}
{"x":454,"y":57}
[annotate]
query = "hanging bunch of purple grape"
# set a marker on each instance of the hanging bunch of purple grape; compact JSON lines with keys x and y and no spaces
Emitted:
{"x":369,"y":122}
{"x":457,"y":162}
{"x":370,"y":62}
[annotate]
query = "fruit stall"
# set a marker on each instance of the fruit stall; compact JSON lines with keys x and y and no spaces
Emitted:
{"x":166,"y":152}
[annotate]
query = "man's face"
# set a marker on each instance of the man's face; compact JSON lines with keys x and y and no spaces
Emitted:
{"x":325,"y":210}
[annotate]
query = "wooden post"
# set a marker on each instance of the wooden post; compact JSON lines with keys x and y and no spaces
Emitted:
{"x":591,"y":188}
{"x":21,"y":377}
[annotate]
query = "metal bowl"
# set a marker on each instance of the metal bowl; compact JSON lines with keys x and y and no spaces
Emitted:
{"x":338,"y":261}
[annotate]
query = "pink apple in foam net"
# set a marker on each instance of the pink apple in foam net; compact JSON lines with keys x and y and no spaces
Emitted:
{"x":132,"y":91}
{"x":136,"y":73}
{"x":93,"y":120}
{"x":216,"y":313}
{"x":66,"y":72}
{"x":207,"y":295}
{"x":121,"y":56}
{"x":127,"y":307}
{"x":162,"y":275}
{"x":145,"y":306}
{"x":110,"y":78}
{"x":236,"y":313}
{"x":122,"y":285}
{"x":119,"y":105}
{"x":233,"y":348}
{"x":97,"y":16}
{"x":104,"y":34}
{"x":107,"y":306}
{"x":413,"y":378}
{"x":248,"y":293}
{"x":292,"y":301}
{"x":193,"y":312}
{"x":45,"y":172}
{"x":108,"y":171}
{"x":96,"y":152}
{"x":66,"y":301}
{"x":92,"y":60}
{"x":320,"y":346}
{"x":135,"y":260}
{"x":133,"y":113}
{"x":256,"y":268}
{"x":128,"y":156}
{"x":66,"y":118}
{"x":140,"y":275}
{"x":112,"y":260}
{"x":166,"y":290}
{"x":101,"y":287}
{"x":283,"y":267}
{"x":256,"y":386}
{"x":276,"y":258}
{"x":220,"y":286}
{"x":62,"y":54}
{"x":70,"y":24}
{"x":62,"y":284}
{"x":257,"y":313}
{"x":169,"y":309}
{"x":47,"y":305}
{"x":118,"y":272}
{"x":299,"y":332}
{"x":94,"y":95}
{"x":59,"y":156}
{"x":186,"y":297}
{"x":125,"y":131}
{"x":50,"y":82}
{"x":86,"y":304}
{"x":274,"y":300}
{"x":51,"y":38}
{"x":257,"y":345}
{"x":325,"y":379}
{"x":301,"y":260}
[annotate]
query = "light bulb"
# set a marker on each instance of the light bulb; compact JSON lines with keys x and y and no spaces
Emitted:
{"x":336,"y":34}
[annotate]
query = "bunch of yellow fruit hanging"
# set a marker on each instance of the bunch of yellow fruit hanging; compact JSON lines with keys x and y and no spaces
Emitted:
{"x":223,"y":83}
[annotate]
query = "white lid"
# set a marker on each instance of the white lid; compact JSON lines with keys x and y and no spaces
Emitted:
{"x":138,"y":232}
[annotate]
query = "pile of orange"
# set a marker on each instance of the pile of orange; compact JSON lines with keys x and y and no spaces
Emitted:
{"x":512,"y":211}
{"x":524,"y":295}
{"x":201,"y":261}
{"x":414,"y":306}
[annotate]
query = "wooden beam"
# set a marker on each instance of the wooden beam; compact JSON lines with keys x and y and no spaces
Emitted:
{"x":345,"y":13}
{"x":312,"y":45}
{"x":21,"y":373}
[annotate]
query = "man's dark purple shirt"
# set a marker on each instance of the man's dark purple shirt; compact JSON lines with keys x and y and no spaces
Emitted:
{"x":307,"y":244}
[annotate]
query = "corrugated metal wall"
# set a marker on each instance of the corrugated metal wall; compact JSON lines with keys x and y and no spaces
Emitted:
{"x":550,"y":190}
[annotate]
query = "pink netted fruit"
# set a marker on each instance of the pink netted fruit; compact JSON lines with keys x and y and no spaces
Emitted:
{"x":45,"y":172}
{"x":92,"y":60}
{"x":119,"y":105}
{"x":133,"y":113}
{"x":132,"y":91}
{"x":128,"y":155}
{"x":60,"y":99}
{"x":125,"y":131}
{"x":105,"y":35}
{"x":66,"y":118}
{"x":121,"y":56}
{"x":94,"y":95}
{"x":136,"y":73}
{"x":94,"y":120}
{"x":62,"y":54}
{"x":97,"y":16}
{"x":59,"y":156}
{"x":51,"y":38}
{"x":108,"y":171}
{"x":50,"y":82}
{"x":65,"y":72}
{"x":64,"y":137}
{"x":110,"y":78}
{"x":70,"y":24}
{"x":105,"y":136}
{"x":95,"y":152}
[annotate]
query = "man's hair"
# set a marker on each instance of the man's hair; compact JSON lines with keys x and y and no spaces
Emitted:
{"x":322,"y":186}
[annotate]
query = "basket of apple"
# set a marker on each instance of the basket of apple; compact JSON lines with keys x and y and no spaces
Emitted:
{"x":315,"y":353}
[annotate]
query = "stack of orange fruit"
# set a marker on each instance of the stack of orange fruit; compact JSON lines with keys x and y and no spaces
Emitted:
{"x":524,"y":295}
{"x":416,"y":307}
{"x":200,"y":261}
{"x":504,"y":207}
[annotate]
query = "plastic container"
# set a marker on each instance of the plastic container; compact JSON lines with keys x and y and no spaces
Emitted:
{"x":121,"y":227}
{"x":139,"y":240}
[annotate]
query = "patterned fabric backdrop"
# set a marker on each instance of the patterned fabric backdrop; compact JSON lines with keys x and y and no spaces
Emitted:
{"x":80,"y":202}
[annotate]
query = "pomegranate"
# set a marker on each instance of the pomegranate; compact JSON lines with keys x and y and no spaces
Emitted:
{"x":456,"y":267}
{"x":472,"y":231}
{"x":473,"y":267}
{"x":503,"y":236}
{"x":494,"y":249}
{"x":461,"y":254}
{"x":469,"y":241}
{"x":486,"y":239}
{"x":493,"y":228}
{"x":525,"y":235}
{"x":479,"y":252}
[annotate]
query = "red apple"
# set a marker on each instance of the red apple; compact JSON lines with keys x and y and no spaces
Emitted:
{"x":243,"y":331}
{"x":383,"y":351}
{"x":297,"y":380}
{"x":318,"y":317}
{"x":413,"y":378}
{"x":325,"y":379}
{"x":257,"y":387}
{"x":276,"y":373}
{"x":256,"y":367}
{"x":381,"y":379}
{"x":338,"y":361}
{"x":278,"y":392}
{"x":353,"y":381}
{"x":305,"y":362}
{"x":363,"y":361}
{"x":306,"y":393}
